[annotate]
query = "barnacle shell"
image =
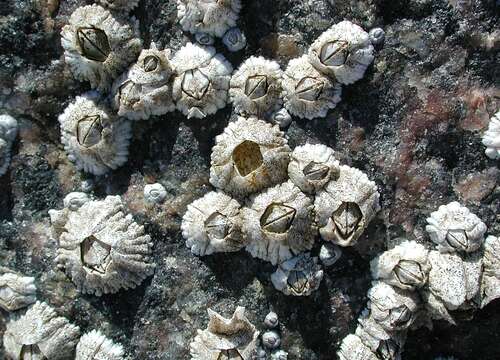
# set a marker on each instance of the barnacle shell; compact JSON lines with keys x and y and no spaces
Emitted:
{"x":248,"y":156}
{"x":40,"y":334}
{"x":103,"y":250}
{"x":491,"y":138}
{"x":312,"y":166}
{"x":155,"y":193}
{"x":94,"y":345}
{"x":75,"y":200}
{"x":307,"y":92}
{"x":329,"y":254}
{"x":213,"y":224}
{"x":271,"y":339}
{"x":454,"y":228}
{"x":344,"y":51}
{"x":377,"y":36}
{"x":124,"y":5}
{"x":345,"y":206}
{"x":95,"y":140}
{"x":234,"y":338}
{"x":8,"y":133}
{"x":234,"y":39}
{"x":299,"y":276}
{"x":256,"y":87}
{"x":204,"y":39}
{"x":352,"y":348}
{"x":98,"y":46}
{"x":16,"y":291}
{"x":200,"y":88}
{"x":271,"y":320}
{"x":279,"y":355}
{"x":279,"y":223}
{"x":490,"y":285}
{"x":281,"y":117}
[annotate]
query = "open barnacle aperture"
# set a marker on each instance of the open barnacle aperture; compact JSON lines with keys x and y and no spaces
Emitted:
{"x":334,"y":53}
{"x":129,"y":93}
{"x":217,"y":226}
{"x":247,"y":157}
{"x":89,"y":130}
{"x":347,"y":219}
{"x":277,"y":218}
{"x":95,"y":254}
{"x":457,"y":239}
{"x":150,"y":63}
{"x":409,"y":273}
{"x":195,"y":84}
{"x":309,"y":88}
{"x":93,"y":43}
{"x":256,"y":86}
{"x":316,"y":171}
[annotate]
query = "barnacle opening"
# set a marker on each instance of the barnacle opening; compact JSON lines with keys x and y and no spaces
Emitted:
{"x":151,"y":63}
{"x":316,"y":171}
{"x":32,"y":351}
{"x":309,"y":88}
{"x":256,"y":86}
{"x":457,"y":239}
{"x":247,"y":157}
{"x":277,"y":218}
{"x":400,"y":316}
{"x":347,"y":218}
{"x":297,"y":280}
{"x":89,"y":130}
{"x":387,"y":350}
{"x":95,"y":254}
{"x":93,"y":43}
{"x":129,"y":93}
{"x":217,"y":226}
{"x":334,"y":53}
{"x":409,"y":272}
{"x":230,"y":354}
{"x":195,"y":84}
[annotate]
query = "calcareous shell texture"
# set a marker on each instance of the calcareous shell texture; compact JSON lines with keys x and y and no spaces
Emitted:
{"x":8,"y":133}
{"x":95,"y":346}
{"x":234,"y":39}
{"x":234,"y":338}
{"x":308,"y":93}
{"x":16,"y":291}
{"x":120,"y":5}
{"x":75,"y":200}
{"x":345,"y":206}
{"x":40,"y":334}
{"x":491,"y":138}
{"x":352,"y":348}
{"x":202,"y":82}
{"x":490,"y":283}
{"x":95,"y":140}
{"x":248,"y":156}
{"x":155,"y":193}
{"x":344,"y":52}
{"x":98,"y":46}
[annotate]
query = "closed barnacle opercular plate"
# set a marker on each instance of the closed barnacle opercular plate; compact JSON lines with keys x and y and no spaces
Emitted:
{"x":94,"y":345}
{"x":490,"y":283}
{"x":352,"y":348}
{"x":491,"y":138}
{"x":16,"y":291}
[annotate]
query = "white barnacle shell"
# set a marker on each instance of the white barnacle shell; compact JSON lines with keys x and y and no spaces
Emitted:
{"x":94,"y":345}
{"x":213,"y":224}
{"x":16,"y":291}
{"x":75,"y":200}
{"x":213,"y":17}
{"x":8,"y":133}
{"x":202,"y":82}
{"x":279,"y":224}
{"x":329,"y":254}
{"x":155,"y":193}
{"x":120,"y":5}
{"x":234,"y":338}
{"x":454,"y":228}
{"x":312,"y":166}
{"x":255,"y":88}
{"x":204,"y":38}
{"x":281,"y":117}
{"x":279,"y":355}
{"x":344,"y":52}
{"x":377,"y":36}
{"x":405,"y":266}
{"x":98,"y":46}
{"x":248,"y":156}
{"x":95,"y":140}
{"x":234,"y":39}
{"x":352,"y":348}
{"x":271,"y":339}
{"x":490,"y":283}
{"x":491,"y":138}
{"x":271,"y":320}
{"x":345,"y":206}
{"x":299,"y":276}
{"x":104,"y":250}
{"x":40,"y":334}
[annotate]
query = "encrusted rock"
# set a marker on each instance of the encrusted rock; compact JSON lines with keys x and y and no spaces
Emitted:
{"x":95,"y":346}
{"x":16,"y":291}
{"x":491,"y":138}
{"x":299,"y":276}
{"x":8,"y":133}
{"x":155,"y":193}
{"x":490,"y":283}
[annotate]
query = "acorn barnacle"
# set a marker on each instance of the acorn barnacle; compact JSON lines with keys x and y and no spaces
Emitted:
{"x":491,"y":138}
{"x":234,"y":39}
{"x":213,"y":224}
{"x":120,"y":5}
{"x":343,"y":52}
{"x":490,"y":285}
{"x":40,"y":334}
{"x":202,"y":82}
{"x":256,"y":87}
{"x":95,"y":140}
{"x":16,"y":291}
{"x":8,"y":133}
{"x":155,"y":193}
{"x":279,"y":223}
{"x":102,"y":249}
{"x":454,"y":228}
{"x":234,"y":338}
{"x":94,"y":345}
{"x":248,"y":156}
{"x":98,"y":46}
{"x":352,"y":348}
{"x":307,"y":92}
{"x":345,"y":206}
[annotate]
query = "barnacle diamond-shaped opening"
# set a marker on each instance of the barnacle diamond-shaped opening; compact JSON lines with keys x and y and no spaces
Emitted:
{"x":316,"y":171}
{"x":195,"y":84}
{"x":247,"y":157}
{"x":129,"y":93}
{"x":95,"y":255}
{"x":400,"y":316}
{"x":457,"y":239}
{"x":93,"y":43}
{"x":347,"y":218}
{"x":297,"y":280}
{"x":409,"y":273}
{"x":89,"y":130}
{"x":277,"y":218}
{"x":256,"y":86}
{"x":231,"y":354}
{"x":151,"y":63}
{"x":31,"y":352}
{"x":334,"y":53}
{"x":309,"y":88}
{"x":387,"y":350}
{"x":217,"y":226}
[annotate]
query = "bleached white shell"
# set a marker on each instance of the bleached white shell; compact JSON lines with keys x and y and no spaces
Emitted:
{"x":40,"y":334}
{"x":104,"y":250}
{"x":121,"y":5}
{"x":454,"y":228}
{"x":345,"y":206}
{"x":281,"y":117}
{"x":308,"y":93}
{"x":279,"y":223}
{"x":8,"y":133}
{"x":16,"y":291}
{"x":234,"y":338}
{"x":490,"y":283}
{"x":255,"y":88}
{"x":155,"y":193}
{"x":95,"y":140}
{"x":329,"y":254}
{"x":299,"y":276}
{"x":344,"y":52}
{"x":248,"y":156}
{"x":352,"y":348}
{"x":95,"y":346}
{"x":491,"y":138}
{"x":213,"y":224}
{"x":98,"y":46}
{"x":202,"y":82}
{"x":234,"y":39}
{"x":75,"y":200}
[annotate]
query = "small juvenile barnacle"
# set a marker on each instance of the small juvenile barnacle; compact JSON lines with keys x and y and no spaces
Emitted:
{"x":120,"y":5}
{"x":271,"y":321}
{"x":329,"y":254}
{"x":248,"y":156}
{"x":255,"y":88}
{"x":345,"y":206}
{"x":40,"y":334}
{"x":202,"y":82}
{"x":94,"y":345}
{"x":491,"y":138}
{"x":344,"y":52}
{"x":155,"y":193}
{"x":271,"y":339}
{"x":454,"y":228}
{"x":98,"y":46}
{"x":8,"y":133}
{"x":16,"y":291}
{"x":490,"y":282}
{"x":213,"y":224}
{"x":204,"y":39}
{"x":234,"y":39}
{"x":307,"y":92}
{"x":95,"y":140}
{"x":352,"y":348}
{"x":234,"y":338}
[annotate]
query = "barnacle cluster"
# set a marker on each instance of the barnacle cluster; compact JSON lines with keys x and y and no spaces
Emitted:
{"x":8,"y":133}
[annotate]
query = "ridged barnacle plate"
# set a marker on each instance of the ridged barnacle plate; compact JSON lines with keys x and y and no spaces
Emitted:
{"x":16,"y":291}
{"x":491,"y":138}
{"x":352,"y":348}
{"x":95,"y":346}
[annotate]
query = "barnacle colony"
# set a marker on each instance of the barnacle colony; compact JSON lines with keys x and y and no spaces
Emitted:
{"x":94,"y":345}
{"x":8,"y":133}
{"x":16,"y":291}
{"x":491,"y":138}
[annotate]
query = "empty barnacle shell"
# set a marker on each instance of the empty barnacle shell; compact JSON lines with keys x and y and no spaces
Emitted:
{"x":248,"y":156}
{"x":40,"y":334}
{"x":490,"y":282}
{"x":95,"y":140}
{"x":255,"y":88}
{"x":122,"y":5}
{"x":98,"y":46}
{"x":345,"y":206}
{"x":454,"y":228}
{"x":155,"y":193}
{"x":344,"y":51}
{"x":202,"y":83}
{"x":234,"y":338}
{"x":204,"y":38}
{"x":299,"y":276}
{"x":491,"y":138}
{"x":329,"y":254}
{"x":271,"y":339}
{"x":234,"y":39}
{"x":352,"y":348}
{"x":94,"y":345}
{"x":279,"y":223}
{"x":8,"y":133}
{"x":16,"y":291}
{"x":213,"y":224}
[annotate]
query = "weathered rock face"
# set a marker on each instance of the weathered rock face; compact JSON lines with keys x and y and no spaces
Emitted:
{"x":414,"y":124}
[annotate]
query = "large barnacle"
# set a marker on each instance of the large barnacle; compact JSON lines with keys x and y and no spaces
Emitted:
{"x":491,"y":138}
{"x":490,"y":282}
{"x":16,"y":291}
{"x":95,"y":346}
{"x":8,"y":133}
{"x":352,"y":348}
